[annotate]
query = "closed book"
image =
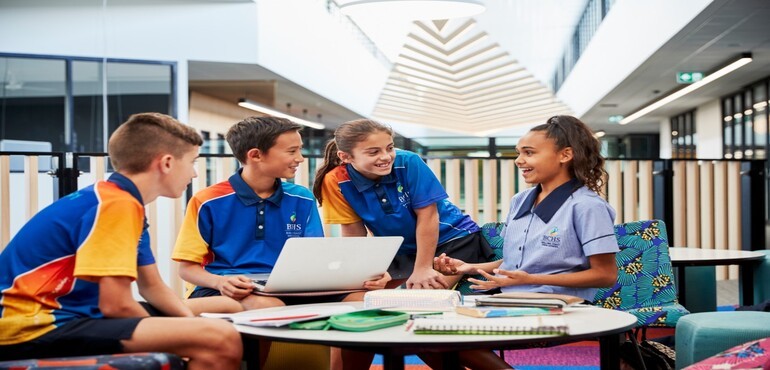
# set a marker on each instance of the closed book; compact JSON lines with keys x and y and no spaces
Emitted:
{"x":493,"y":311}
{"x":523,"y":325}
{"x":529,"y":299}
{"x":413,"y":299}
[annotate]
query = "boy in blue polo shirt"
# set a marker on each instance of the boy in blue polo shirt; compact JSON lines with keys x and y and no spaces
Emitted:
{"x":65,"y":278}
{"x":239,"y":226}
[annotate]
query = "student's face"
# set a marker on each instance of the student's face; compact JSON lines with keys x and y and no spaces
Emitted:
{"x":283,"y":158}
{"x":373,"y":157}
{"x":540,"y":162}
{"x":182,"y":171}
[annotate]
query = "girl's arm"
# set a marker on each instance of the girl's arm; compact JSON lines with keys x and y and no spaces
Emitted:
{"x":603,"y":272}
{"x":354,"y":229}
{"x":424,"y":276}
{"x":453,"y":266}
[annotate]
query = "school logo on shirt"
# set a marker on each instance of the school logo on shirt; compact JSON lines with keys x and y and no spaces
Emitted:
{"x":293,"y":228}
{"x":552,"y":238}
{"x":403,"y":197}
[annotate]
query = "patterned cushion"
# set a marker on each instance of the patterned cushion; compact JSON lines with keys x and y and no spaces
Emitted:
{"x":492,"y":232}
{"x":127,"y":361}
{"x":751,"y":355}
{"x":645,"y":286}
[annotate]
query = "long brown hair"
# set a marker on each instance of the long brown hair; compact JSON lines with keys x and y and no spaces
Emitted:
{"x":345,"y":139}
{"x":587,"y":162}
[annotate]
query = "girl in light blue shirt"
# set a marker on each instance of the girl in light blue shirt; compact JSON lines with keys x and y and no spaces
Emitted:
{"x":559,"y":236}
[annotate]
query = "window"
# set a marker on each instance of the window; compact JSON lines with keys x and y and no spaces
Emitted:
{"x":683,"y":135}
{"x":745,"y":122}
{"x":61,"y":100}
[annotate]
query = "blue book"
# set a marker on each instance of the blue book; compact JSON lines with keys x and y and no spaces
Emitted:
{"x":496,"y":311}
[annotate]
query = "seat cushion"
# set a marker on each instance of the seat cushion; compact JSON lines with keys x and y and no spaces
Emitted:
{"x":701,"y":335}
{"x":661,"y":316}
{"x":125,"y":361}
{"x":754,"y":354}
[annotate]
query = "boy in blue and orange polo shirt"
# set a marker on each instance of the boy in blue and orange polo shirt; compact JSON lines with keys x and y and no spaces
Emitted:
{"x":65,"y":278}
{"x":239,"y":226}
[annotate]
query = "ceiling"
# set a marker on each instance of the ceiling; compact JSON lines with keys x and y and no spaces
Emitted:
{"x":717,"y":36}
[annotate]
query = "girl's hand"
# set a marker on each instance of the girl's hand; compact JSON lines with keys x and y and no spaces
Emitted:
{"x":426,"y":278}
{"x":500,"y":279}
{"x":451,"y":266}
{"x":378,"y":283}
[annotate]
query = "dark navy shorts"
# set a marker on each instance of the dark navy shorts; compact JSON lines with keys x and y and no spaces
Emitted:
{"x":287,"y":300}
{"x":473,"y":248}
{"x":79,"y":337}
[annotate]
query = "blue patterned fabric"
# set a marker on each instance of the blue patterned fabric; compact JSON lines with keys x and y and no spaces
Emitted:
{"x":126,"y":361}
{"x":492,"y":233}
{"x":645,"y":286}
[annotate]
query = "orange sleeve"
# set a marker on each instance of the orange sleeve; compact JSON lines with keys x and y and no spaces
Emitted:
{"x":335,"y":209}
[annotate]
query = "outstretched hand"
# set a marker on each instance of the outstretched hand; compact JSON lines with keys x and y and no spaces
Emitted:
{"x":500,"y":279}
{"x":378,"y":283}
{"x":235,"y":287}
{"x":426,"y":278}
{"x":451,"y":266}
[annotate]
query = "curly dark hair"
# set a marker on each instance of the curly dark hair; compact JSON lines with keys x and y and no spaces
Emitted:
{"x":587,"y":162}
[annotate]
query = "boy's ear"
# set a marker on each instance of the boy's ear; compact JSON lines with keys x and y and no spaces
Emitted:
{"x":344,"y":157}
{"x":165,"y":163}
{"x":566,"y":155}
{"x":254,"y":153}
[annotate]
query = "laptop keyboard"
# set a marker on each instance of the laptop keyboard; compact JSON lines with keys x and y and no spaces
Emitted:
{"x":260,"y":282}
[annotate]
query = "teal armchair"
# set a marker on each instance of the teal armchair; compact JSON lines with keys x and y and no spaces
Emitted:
{"x":645,"y":286}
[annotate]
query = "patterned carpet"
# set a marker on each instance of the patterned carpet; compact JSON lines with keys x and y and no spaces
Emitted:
{"x":573,"y":356}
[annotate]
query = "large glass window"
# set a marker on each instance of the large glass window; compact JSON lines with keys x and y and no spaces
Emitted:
{"x":683,"y":136}
{"x":61,"y":100}
{"x":745,"y":122}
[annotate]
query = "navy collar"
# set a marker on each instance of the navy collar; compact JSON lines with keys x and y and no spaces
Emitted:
{"x":126,"y":184}
{"x":548,"y":207}
{"x":248,"y":196}
{"x":362,"y":183}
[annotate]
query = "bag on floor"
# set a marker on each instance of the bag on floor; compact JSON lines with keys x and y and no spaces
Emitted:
{"x":656,"y":356}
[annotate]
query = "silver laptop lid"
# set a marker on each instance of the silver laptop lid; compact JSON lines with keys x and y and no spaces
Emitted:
{"x":317,"y":264}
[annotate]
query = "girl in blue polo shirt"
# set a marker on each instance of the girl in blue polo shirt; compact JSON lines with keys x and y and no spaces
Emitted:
{"x":365,"y":183}
{"x":559,"y":236}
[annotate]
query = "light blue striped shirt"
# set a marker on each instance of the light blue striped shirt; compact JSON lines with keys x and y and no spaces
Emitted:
{"x":557,"y":235}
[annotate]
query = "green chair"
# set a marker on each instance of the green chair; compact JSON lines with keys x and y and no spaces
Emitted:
{"x":492,"y":232}
{"x":645,"y":286}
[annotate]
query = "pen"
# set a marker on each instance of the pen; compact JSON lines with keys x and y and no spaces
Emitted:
{"x":284,"y":318}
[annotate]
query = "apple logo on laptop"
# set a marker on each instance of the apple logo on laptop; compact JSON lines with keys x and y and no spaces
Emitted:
{"x":335,"y":265}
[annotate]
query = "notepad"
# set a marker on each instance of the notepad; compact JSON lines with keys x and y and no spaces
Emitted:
{"x":413,"y":299}
{"x":281,"y":317}
{"x":525,"y":325}
{"x":529,"y":299}
{"x":494,"y":311}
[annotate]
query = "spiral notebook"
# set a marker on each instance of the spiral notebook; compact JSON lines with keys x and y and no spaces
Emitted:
{"x":524,"y":325}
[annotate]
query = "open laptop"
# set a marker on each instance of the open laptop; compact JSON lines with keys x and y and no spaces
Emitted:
{"x":328,"y":264}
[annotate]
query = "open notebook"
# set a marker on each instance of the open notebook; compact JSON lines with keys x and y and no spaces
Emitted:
{"x":318,"y":266}
{"x":523,"y":325}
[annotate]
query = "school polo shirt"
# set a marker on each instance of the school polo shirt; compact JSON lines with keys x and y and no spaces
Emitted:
{"x":387,"y":206}
{"x":557,"y":235}
{"x":229,"y":229}
{"x":97,"y":231}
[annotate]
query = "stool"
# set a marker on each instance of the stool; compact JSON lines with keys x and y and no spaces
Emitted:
{"x":701,"y":335}
{"x":122,"y":361}
{"x":297,"y":356}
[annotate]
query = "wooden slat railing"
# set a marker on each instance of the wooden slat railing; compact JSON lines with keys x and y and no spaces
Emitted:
{"x":706,"y":195}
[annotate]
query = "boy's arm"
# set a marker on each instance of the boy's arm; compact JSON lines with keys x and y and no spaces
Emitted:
{"x":236,"y":287}
{"x":116,"y":299}
{"x":158,"y":294}
{"x":424,"y":276}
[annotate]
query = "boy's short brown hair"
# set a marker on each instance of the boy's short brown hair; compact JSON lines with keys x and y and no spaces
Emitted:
{"x":145,"y":136}
{"x":257,"y":132}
